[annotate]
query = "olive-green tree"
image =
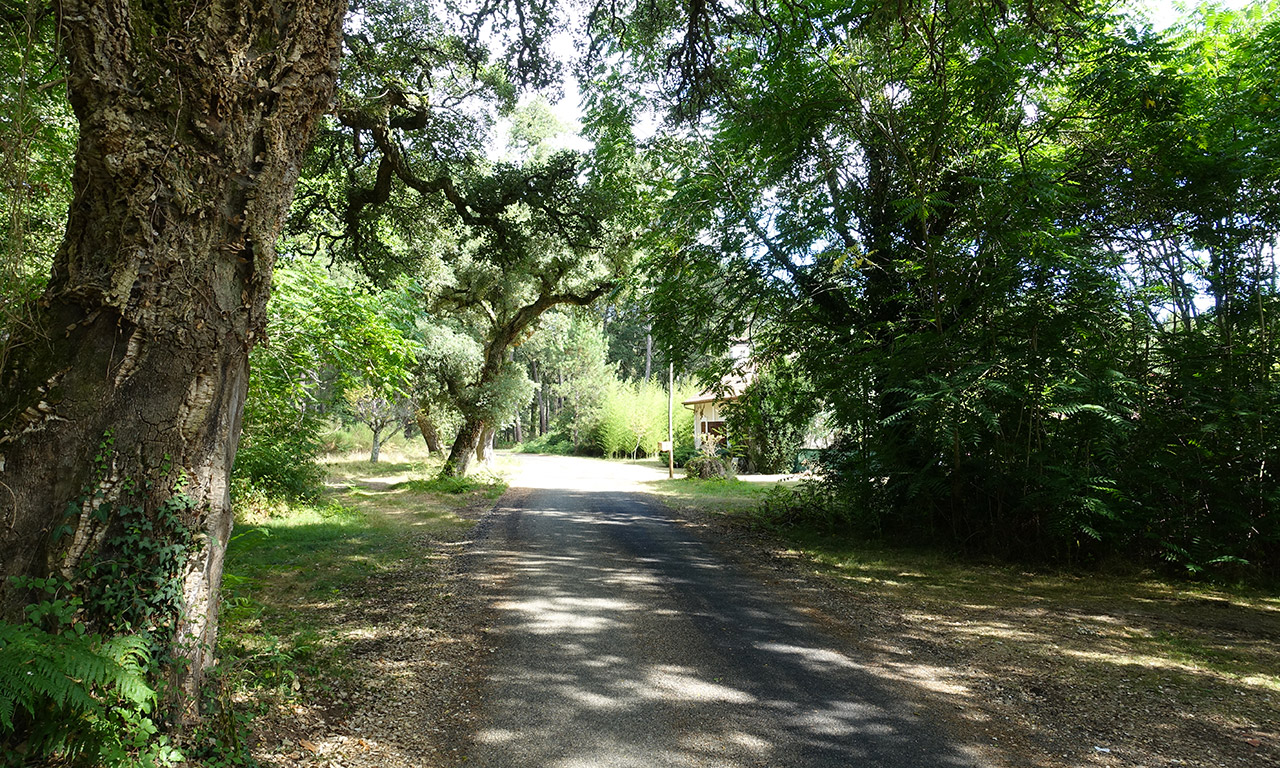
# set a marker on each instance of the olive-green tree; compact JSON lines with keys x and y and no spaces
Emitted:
{"x":401,"y":185}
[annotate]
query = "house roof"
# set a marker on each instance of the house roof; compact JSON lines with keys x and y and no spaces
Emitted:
{"x":730,"y":388}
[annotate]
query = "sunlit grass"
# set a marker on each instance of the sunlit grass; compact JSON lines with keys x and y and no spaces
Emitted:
{"x":296,"y":571}
{"x":490,"y":489}
{"x":724,"y":496}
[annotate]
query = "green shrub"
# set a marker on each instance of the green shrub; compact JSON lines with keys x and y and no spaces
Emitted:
{"x":280,"y":462}
{"x":707,"y":467}
{"x":768,"y":423}
{"x":813,"y":505}
{"x":612,"y":432}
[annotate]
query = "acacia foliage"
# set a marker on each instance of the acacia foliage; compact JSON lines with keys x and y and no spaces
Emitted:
{"x":1026,"y":254}
{"x":328,"y":337}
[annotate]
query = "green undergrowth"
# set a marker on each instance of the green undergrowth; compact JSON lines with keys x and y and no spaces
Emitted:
{"x":489,"y":489}
{"x":300,"y":573}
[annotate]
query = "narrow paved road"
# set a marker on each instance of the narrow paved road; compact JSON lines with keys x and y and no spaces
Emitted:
{"x":623,"y":641}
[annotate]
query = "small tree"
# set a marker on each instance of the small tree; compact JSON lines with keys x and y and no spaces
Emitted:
{"x":379,"y":410}
{"x":768,"y":423}
{"x":328,"y":338}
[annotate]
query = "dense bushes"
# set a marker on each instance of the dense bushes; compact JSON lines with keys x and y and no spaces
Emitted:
{"x":555,"y":443}
{"x":1036,"y":282}
{"x":1158,"y":451}
{"x":769,"y":422}
{"x":633,"y":419}
{"x":708,"y":467}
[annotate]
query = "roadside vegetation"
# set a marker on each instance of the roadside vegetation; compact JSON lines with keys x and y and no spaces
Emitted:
{"x":316,"y":591}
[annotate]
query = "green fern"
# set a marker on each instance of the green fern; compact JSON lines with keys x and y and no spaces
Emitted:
{"x":68,"y":687}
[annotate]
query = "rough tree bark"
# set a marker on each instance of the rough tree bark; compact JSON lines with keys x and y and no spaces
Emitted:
{"x":427,"y":426}
{"x":648,"y":353}
{"x":501,"y":338}
{"x":463,"y":448}
{"x":193,"y":119}
{"x":484,"y":449}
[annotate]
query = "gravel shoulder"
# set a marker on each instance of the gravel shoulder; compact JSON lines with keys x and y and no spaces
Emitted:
{"x":404,"y":641}
{"x":1052,"y":670}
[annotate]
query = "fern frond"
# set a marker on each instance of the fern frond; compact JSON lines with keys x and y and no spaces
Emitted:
{"x":73,"y":673}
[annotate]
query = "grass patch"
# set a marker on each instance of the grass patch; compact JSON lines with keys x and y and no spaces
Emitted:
{"x":489,"y":488}
{"x":717,"y":495}
{"x":299,"y":576}
{"x":290,"y":575}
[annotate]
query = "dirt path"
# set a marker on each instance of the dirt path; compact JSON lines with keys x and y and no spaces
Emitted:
{"x":622,"y":640}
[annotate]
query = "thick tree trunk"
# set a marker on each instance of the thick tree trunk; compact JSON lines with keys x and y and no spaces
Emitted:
{"x":517,"y":429}
{"x":427,"y":426}
{"x":376,"y":450}
{"x":497,"y":356}
{"x":193,"y":119}
{"x":484,"y":449}
{"x":544,"y":408}
{"x":648,"y":353}
{"x":464,"y":447}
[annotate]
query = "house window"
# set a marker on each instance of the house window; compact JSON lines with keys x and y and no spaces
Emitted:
{"x":713,"y":427}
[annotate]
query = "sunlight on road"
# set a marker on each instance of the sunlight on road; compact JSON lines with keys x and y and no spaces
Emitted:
{"x":568,"y":472}
{"x":623,"y":641}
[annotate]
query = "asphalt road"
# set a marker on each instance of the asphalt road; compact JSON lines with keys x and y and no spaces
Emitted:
{"x":624,"y":642}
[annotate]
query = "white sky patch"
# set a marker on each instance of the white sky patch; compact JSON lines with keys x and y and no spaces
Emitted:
{"x":1163,"y":13}
{"x":567,"y":109}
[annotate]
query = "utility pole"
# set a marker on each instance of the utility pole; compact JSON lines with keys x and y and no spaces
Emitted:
{"x":671,"y":405}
